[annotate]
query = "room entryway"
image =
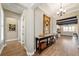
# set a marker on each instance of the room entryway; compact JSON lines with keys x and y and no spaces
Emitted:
{"x":14,"y":34}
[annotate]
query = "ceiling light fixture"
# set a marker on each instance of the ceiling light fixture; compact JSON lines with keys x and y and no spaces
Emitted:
{"x":61,"y":10}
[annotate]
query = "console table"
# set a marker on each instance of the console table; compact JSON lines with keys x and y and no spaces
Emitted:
{"x":48,"y":40}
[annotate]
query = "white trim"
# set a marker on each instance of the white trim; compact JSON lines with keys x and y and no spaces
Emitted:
{"x":5,"y":45}
{"x":2,"y":48}
{"x":22,"y":43}
{"x":19,"y":41}
{"x":11,"y":40}
{"x":25,"y":49}
{"x":34,"y":50}
{"x":30,"y":53}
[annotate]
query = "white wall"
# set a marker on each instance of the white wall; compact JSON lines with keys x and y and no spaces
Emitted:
{"x":54,"y":26}
{"x":22,"y":29}
{"x":1,"y":28}
{"x":29,"y":30}
{"x":11,"y":34}
{"x":39,"y":21}
{"x":11,"y":18}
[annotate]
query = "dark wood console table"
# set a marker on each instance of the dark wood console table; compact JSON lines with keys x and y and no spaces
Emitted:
{"x":48,"y":40}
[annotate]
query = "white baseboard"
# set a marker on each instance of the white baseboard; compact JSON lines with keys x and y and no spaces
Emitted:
{"x":5,"y":45}
{"x":30,"y":53}
{"x":11,"y":40}
{"x":2,"y":48}
{"x":25,"y":49}
{"x":19,"y":41}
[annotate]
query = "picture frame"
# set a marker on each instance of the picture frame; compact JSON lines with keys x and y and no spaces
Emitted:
{"x":46,"y":24}
{"x":12,"y":27}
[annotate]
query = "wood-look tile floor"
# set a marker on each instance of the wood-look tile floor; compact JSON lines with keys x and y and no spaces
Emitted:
{"x":64,"y":46}
{"x":14,"y":48}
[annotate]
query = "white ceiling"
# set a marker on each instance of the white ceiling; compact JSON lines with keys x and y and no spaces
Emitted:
{"x":26,"y":5}
{"x":51,"y":8}
{"x":18,"y":7}
{"x":13,"y":7}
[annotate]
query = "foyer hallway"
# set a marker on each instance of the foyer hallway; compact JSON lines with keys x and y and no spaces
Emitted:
{"x":14,"y":48}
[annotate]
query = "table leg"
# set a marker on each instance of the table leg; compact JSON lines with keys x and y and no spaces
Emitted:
{"x":47,"y":42}
{"x":36,"y":44}
{"x":39,"y":47}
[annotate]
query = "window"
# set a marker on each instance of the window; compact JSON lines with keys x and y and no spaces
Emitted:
{"x":68,"y":28}
{"x":73,"y":28}
{"x":64,"y":28}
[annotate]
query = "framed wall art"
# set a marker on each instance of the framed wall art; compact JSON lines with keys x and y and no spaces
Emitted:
{"x":12,"y":27}
{"x":46,"y":24}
